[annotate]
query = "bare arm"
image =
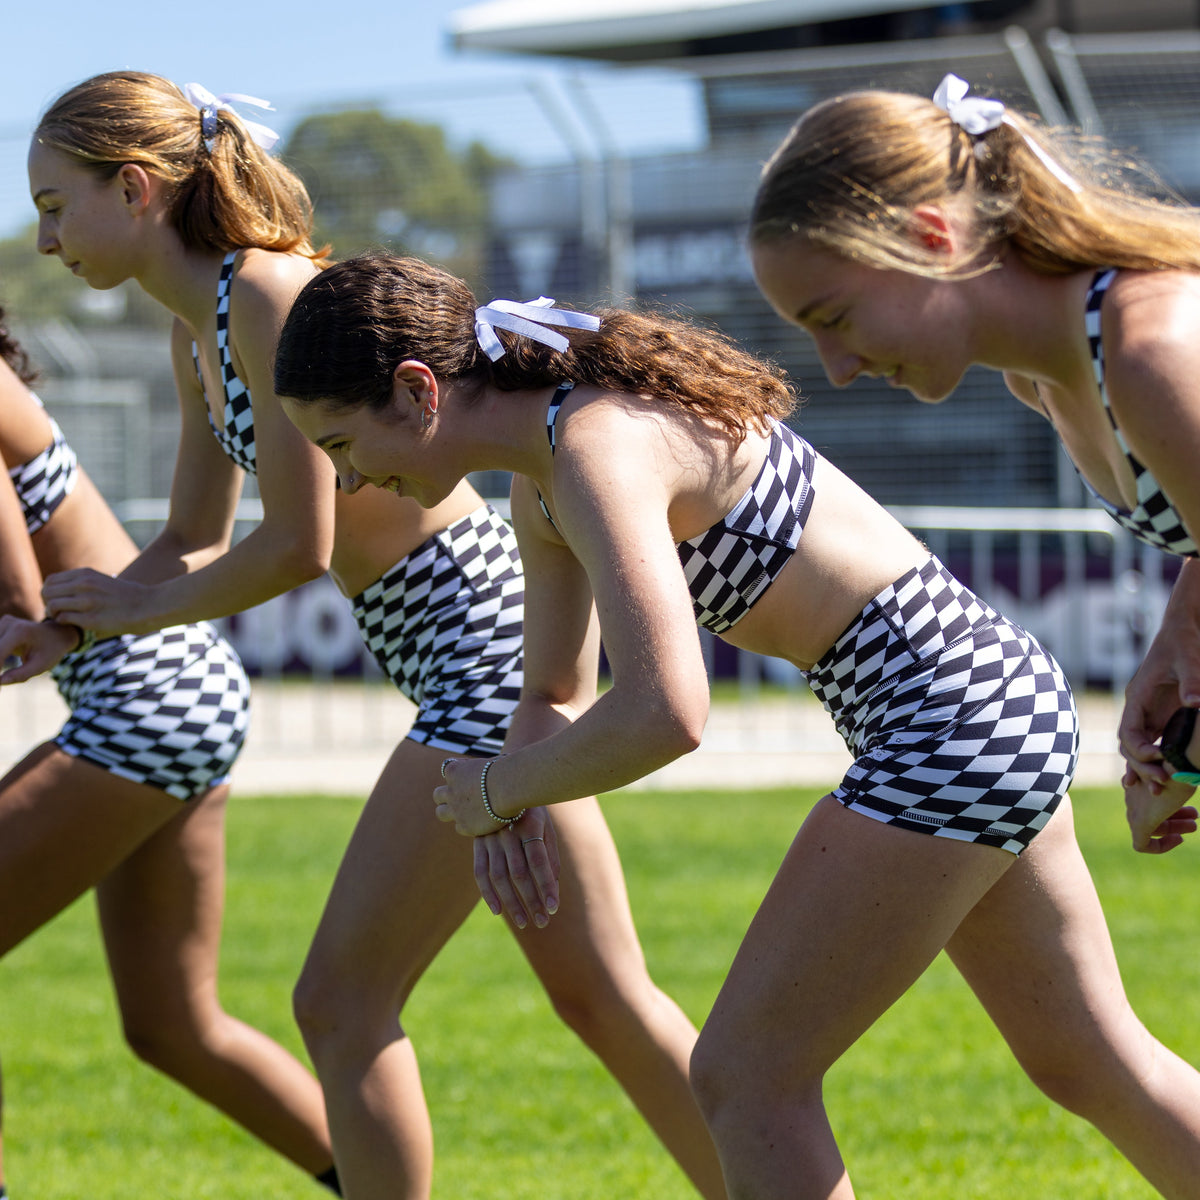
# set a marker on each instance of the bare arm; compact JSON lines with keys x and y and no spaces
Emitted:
{"x":190,"y":572}
{"x":1153,"y":357}
{"x":517,"y":870}
{"x":20,"y":575}
{"x":612,"y":511}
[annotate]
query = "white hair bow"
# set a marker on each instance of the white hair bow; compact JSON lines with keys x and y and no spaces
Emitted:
{"x":529,"y":320}
{"x":977,"y":116}
{"x":209,"y":105}
{"x":974,"y":114}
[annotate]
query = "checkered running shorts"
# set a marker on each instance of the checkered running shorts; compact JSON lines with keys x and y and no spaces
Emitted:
{"x":169,"y":709}
{"x":961,"y":724}
{"x":445,"y":625}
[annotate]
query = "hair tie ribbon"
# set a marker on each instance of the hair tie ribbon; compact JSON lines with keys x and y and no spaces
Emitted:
{"x":978,"y":116}
{"x":529,"y":320}
{"x":209,"y":105}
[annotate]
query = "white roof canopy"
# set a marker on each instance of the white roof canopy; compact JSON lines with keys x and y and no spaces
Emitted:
{"x":559,"y":27}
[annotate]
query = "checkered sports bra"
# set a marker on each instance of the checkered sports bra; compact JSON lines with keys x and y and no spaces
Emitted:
{"x":236,"y":437}
{"x":731,"y":564}
{"x":46,"y":480}
{"x":1154,"y":520}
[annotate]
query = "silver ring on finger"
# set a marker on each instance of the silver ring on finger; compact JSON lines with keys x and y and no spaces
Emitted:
{"x":445,"y":763}
{"x":526,"y":841}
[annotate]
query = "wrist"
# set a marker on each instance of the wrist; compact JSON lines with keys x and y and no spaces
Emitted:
{"x":488,"y":799}
{"x":84,"y":638}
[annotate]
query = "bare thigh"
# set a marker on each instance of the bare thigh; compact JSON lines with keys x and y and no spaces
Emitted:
{"x":855,"y":914}
{"x":405,"y":884}
{"x":160,"y":912}
{"x":1037,"y":952}
{"x":591,"y":944}
{"x":64,"y":825}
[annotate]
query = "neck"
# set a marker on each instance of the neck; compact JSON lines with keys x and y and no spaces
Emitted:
{"x":504,"y":431}
{"x":182,"y":280}
{"x":1032,"y":324}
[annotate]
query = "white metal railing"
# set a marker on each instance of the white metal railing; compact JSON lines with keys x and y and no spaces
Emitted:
{"x":1072,"y":576}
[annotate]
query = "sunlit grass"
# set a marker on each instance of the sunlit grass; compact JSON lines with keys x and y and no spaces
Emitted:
{"x":929,"y":1104}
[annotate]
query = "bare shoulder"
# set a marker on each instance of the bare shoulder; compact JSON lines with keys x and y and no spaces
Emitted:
{"x":1151,"y":328}
{"x":267,"y":280}
{"x":609,"y":438}
{"x":594,"y":414}
{"x":1147,"y":307}
{"x":25,"y":428}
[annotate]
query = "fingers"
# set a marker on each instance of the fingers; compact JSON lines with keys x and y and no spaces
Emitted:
{"x":1171,"y":832}
{"x":502,"y":876}
{"x":516,"y":870}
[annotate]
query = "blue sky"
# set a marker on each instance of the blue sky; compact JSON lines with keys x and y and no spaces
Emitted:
{"x":303,"y":56}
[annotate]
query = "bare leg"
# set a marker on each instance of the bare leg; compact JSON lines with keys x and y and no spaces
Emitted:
{"x":1037,"y":953}
{"x":161,"y":911}
{"x":369,"y":952}
{"x":856,"y":913}
{"x":64,"y":825}
{"x":591,"y":964}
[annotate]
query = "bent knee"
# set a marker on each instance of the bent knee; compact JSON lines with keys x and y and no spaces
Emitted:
{"x":748,"y":1079}
{"x":331,"y":1004}
{"x":317,"y":1002}
{"x":169,"y":1045}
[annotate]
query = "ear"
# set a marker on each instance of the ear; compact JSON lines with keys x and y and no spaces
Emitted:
{"x":414,"y":382}
{"x":137,"y":187}
{"x":932,"y":228}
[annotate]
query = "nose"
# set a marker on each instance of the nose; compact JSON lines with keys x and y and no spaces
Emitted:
{"x":47,"y":243}
{"x":351,"y":481}
{"x":841,"y":367}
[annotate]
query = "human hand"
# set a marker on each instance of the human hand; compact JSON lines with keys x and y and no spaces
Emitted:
{"x":40,"y":646}
{"x":516,"y":870}
{"x":461,"y":798}
{"x":1158,"y":815}
{"x":95,"y":601}
{"x":1168,"y":677}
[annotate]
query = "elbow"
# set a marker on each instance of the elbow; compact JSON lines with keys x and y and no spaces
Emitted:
{"x":302,"y":562}
{"x":679,"y":728}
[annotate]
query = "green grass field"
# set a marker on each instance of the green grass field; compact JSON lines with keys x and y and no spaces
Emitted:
{"x":928,"y":1105}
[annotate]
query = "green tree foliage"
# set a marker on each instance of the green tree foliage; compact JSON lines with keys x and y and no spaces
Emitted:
{"x":381,"y":181}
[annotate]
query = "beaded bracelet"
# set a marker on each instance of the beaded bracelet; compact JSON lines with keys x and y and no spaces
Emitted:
{"x":487,"y":804}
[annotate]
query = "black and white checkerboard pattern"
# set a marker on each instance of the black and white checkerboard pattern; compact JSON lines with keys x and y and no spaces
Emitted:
{"x":1154,"y":520}
{"x":46,"y":480}
{"x":445,"y":625}
{"x":730,"y":565}
{"x":961,"y":724}
{"x":169,"y":709}
{"x":237,"y":433}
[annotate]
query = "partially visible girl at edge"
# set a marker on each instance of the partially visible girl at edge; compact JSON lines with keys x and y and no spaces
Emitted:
{"x":656,"y":486}
{"x":129,"y":797}
{"x":912,"y":238}
{"x":133,"y":181}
